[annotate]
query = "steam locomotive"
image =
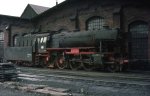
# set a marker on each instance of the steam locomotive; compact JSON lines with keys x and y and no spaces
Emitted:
{"x":86,"y":50}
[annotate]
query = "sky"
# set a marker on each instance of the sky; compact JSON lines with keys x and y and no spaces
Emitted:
{"x":16,"y":7}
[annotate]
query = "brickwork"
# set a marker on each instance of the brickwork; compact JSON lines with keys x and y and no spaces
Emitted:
{"x":13,"y":25}
{"x":64,"y":17}
{"x":133,"y":13}
{"x":73,"y":14}
{"x":117,"y":13}
{"x":61,"y":16}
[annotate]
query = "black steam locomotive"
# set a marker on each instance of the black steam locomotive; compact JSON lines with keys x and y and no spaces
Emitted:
{"x":75,"y":50}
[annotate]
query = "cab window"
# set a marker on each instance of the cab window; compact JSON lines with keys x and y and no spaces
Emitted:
{"x":44,"y":39}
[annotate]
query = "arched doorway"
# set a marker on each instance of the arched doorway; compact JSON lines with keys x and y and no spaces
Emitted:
{"x":138,"y":43}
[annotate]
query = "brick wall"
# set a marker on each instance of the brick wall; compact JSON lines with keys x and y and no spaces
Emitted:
{"x":62,"y":17}
{"x":14,"y":25}
{"x":117,"y":13}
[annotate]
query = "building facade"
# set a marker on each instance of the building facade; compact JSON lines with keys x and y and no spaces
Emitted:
{"x":131,"y":17}
{"x":10,"y":27}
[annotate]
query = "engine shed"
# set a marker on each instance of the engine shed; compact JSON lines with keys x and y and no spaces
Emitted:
{"x":132,"y":19}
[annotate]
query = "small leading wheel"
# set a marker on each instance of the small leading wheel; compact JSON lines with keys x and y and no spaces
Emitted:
{"x":61,"y":63}
{"x":88,"y":66}
{"x":74,"y":65}
{"x":113,"y":67}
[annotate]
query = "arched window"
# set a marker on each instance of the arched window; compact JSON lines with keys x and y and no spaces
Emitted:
{"x":138,"y":40}
{"x":15,"y":37}
{"x":1,"y":36}
{"x":139,"y":29}
{"x":95,"y":23}
{"x":25,"y":39}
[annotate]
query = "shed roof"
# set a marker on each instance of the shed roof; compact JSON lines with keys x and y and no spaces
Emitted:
{"x":38,"y":9}
{"x":33,"y":10}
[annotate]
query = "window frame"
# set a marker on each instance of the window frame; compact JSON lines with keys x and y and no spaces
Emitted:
{"x":95,"y":23}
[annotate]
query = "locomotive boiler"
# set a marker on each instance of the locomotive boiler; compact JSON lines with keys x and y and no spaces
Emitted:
{"x":87,"y":38}
{"x":76,"y":50}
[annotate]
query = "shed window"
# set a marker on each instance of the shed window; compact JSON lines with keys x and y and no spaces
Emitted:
{"x":1,"y":35}
{"x":33,"y":41}
{"x":25,"y":38}
{"x":95,"y":23}
{"x":15,"y":40}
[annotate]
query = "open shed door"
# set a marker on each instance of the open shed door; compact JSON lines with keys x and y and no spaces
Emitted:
{"x":138,"y":43}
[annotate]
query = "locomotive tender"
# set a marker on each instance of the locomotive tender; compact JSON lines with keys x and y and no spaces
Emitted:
{"x":75,"y":50}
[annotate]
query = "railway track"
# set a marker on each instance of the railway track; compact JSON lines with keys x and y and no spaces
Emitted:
{"x":81,"y":83}
{"x":140,"y":79}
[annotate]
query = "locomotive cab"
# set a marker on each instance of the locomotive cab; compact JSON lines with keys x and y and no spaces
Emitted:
{"x":41,"y":43}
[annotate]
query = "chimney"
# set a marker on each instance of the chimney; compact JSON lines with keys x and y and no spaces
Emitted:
{"x":56,"y":2}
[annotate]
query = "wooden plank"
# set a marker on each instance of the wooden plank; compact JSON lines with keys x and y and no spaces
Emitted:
{"x":58,"y":89}
{"x":53,"y":93}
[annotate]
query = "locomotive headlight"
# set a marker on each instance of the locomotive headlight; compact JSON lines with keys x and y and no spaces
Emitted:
{"x":42,"y":47}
